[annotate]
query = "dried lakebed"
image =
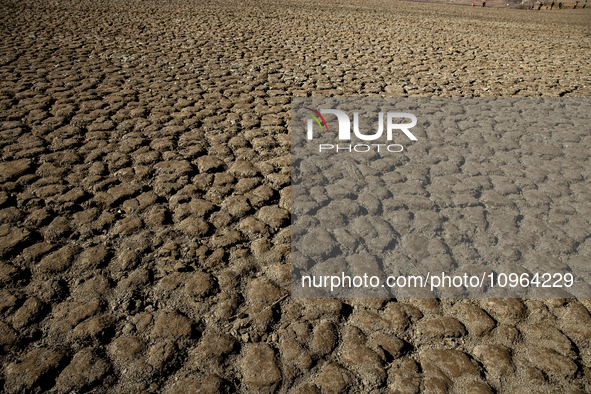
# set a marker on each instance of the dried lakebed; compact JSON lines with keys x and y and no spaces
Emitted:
{"x":145,"y":198}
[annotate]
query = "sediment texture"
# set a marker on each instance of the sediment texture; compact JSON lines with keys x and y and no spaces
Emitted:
{"x":145,"y":202}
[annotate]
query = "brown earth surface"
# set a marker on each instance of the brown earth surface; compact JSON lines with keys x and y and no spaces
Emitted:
{"x":145,"y":198}
{"x":520,"y":4}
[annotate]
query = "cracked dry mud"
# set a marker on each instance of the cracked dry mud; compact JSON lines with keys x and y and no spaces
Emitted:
{"x":490,"y":184}
{"x":145,"y":198}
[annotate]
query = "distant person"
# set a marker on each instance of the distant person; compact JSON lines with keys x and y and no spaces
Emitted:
{"x":473,"y":5}
{"x":559,"y":6}
{"x":540,"y":6}
{"x":532,"y":6}
{"x":576,"y":4}
{"x":552,"y":5}
{"x":484,"y":3}
{"x":585,"y":3}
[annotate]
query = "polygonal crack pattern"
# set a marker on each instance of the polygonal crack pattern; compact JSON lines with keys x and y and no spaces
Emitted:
{"x":145,"y":198}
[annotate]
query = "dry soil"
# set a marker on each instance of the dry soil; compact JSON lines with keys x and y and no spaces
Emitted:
{"x":145,"y":201}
